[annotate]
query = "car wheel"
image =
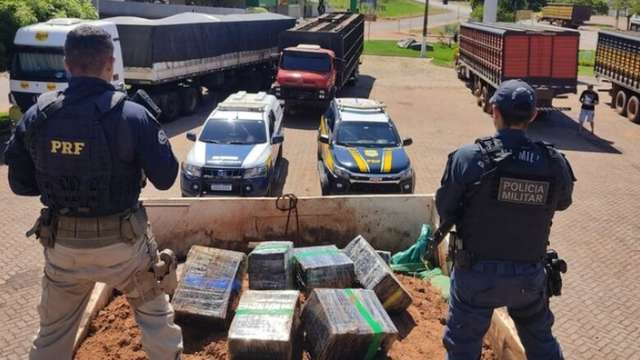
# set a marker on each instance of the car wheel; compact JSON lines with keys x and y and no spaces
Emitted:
{"x":325,"y":182}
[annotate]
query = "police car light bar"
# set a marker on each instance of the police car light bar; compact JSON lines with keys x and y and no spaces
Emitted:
{"x":241,"y":106}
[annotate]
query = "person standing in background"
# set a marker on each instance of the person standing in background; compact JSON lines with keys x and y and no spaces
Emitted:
{"x":589,"y":99}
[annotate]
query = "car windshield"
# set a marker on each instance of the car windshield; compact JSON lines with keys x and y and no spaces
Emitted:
{"x":305,"y":61}
{"x":367,"y":134}
{"x":40,"y":64}
{"x":241,"y":132}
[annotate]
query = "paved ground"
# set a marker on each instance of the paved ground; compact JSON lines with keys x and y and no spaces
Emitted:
{"x":599,"y":315}
{"x":4,"y":90}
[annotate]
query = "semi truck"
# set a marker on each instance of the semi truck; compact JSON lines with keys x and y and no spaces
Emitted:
{"x":318,"y":58}
{"x":170,"y":58}
{"x":566,"y":15}
{"x":545,"y":57}
{"x":618,"y":62}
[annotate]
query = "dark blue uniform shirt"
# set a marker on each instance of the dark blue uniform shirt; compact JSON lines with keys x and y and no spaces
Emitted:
{"x":465,"y":167}
{"x":132,"y":132}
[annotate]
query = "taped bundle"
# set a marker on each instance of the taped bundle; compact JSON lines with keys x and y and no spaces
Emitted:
{"x":373,"y":273}
{"x":265,"y":326}
{"x":346,"y":324}
{"x":270,"y":266}
{"x":209,"y":285}
{"x":322,"y":267}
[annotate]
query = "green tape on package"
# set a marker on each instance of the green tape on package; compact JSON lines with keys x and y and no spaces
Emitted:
{"x":373,"y":324}
{"x":269,"y":312}
{"x":321,"y":252}
{"x":266,"y":247}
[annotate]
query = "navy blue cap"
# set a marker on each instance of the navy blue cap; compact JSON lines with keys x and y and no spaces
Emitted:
{"x":515,"y":97}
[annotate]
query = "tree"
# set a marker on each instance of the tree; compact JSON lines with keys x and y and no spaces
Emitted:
{"x":15,"y":14}
{"x":506,"y":9}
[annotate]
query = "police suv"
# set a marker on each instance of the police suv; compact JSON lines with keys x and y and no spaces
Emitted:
{"x":238,"y":149}
{"x":360,"y":150}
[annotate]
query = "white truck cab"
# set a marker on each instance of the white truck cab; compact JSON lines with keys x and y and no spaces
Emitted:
{"x":38,"y":63}
{"x":238,"y":149}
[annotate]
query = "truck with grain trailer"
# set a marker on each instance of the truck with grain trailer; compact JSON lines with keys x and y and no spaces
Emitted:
{"x":241,"y":223}
{"x":170,"y":58}
{"x":617,"y":61}
{"x":543,"y":56}
{"x":566,"y":15}
{"x":318,"y":58}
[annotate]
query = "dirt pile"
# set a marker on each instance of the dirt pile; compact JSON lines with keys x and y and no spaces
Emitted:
{"x":115,"y":335}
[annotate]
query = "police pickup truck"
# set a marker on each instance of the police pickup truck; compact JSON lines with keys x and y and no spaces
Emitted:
{"x":360,"y":151}
{"x":237,"y":150}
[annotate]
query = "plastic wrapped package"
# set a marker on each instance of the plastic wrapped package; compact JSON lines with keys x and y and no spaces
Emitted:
{"x":209,"y":286}
{"x":346,"y":324}
{"x":373,"y":273}
{"x":270,"y":266}
{"x":265,"y":326}
{"x":322,"y":267}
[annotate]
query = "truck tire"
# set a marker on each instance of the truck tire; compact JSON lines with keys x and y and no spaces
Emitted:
{"x":620,"y":102}
{"x":353,"y":80}
{"x":189,"y":99}
{"x":171,"y":109}
{"x":633,"y":109}
{"x":486,"y":95}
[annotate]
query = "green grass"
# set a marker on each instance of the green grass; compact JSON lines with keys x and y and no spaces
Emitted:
{"x":586,"y":59}
{"x":391,"y":9}
{"x":441,"y":54}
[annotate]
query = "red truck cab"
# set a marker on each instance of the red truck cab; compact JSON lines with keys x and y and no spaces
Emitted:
{"x":306,"y":75}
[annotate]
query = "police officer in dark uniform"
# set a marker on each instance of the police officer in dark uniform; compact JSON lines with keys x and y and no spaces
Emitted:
{"x":501,"y":193}
{"x":85,"y":151}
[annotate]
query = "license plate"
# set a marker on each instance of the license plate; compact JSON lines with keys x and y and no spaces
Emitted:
{"x":375,"y":179}
{"x":221,"y":187}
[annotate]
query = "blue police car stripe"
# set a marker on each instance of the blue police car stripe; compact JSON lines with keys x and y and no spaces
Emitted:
{"x":233,"y":155}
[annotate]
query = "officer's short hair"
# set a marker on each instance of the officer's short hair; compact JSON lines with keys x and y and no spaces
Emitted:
{"x":88,"y":49}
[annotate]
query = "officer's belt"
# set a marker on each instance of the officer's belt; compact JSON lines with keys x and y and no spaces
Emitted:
{"x":90,"y":232}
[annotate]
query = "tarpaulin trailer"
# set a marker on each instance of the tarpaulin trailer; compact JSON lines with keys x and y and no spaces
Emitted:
{"x":618,"y":61}
{"x":543,"y":56}
{"x":170,"y":58}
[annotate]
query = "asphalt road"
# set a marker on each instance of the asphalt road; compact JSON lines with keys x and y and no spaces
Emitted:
{"x":393,"y":29}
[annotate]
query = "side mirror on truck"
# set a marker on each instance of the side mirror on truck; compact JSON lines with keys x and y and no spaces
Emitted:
{"x":191,"y":136}
{"x":407,"y":141}
{"x":277,"y":139}
{"x":323,"y":138}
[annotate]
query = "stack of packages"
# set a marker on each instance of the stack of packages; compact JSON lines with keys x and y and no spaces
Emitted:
{"x":346,"y":324}
{"x":270,"y":266}
{"x":322,"y":267}
{"x":209,"y":286}
{"x":265,"y":326}
{"x":373,"y":273}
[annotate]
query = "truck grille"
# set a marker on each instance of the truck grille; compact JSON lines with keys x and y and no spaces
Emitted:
{"x":221,"y":173}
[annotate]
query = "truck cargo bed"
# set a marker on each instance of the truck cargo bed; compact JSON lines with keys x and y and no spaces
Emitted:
{"x":617,"y":58}
{"x":543,"y":56}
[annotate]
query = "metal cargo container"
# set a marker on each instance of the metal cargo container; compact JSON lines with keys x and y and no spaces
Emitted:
{"x":545,"y":57}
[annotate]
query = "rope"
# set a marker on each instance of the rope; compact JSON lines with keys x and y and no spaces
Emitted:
{"x":289,"y":203}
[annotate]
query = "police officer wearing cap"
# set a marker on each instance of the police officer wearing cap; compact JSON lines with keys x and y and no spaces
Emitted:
{"x":84,"y":152}
{"x":502,"y":192}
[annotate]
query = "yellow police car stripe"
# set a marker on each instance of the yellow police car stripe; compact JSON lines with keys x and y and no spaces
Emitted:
{"x":328,"y":158}
{"x":362,"y":164}
{"x":387,"y":160}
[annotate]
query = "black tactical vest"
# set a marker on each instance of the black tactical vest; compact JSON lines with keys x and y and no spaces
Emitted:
{"x":508,"y":214}
{"x":77,"y":172}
